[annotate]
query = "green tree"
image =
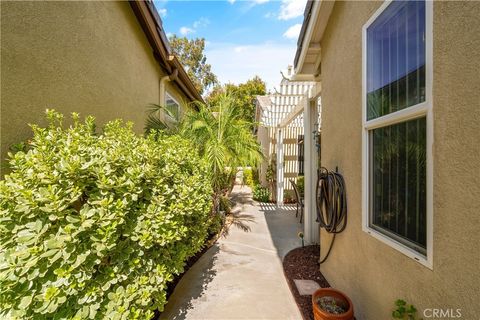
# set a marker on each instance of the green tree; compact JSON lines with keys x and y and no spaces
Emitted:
{"x":223,"y":137}
{"x":244,"y":95}
{"x":191,"y":55}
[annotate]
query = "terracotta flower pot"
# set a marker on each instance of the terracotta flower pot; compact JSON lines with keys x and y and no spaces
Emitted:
{"x":341,"y":300}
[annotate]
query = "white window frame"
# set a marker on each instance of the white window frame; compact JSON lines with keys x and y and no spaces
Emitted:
{"x":423,"y":109}
{"x":170,"y":96}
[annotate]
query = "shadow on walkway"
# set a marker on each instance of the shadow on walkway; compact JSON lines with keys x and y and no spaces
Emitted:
{"x":283,"y":226}
{"x":239,"y":218}
{"x":241,"y":221}
{"x":195,"y":282}
{"x":241,"y":276}
{"x":274,"y":208}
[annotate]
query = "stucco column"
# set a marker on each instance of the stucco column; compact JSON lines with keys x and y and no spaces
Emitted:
{"x":310,"y":118}
{"x":279,"y":166}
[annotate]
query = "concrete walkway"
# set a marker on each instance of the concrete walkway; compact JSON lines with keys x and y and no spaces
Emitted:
{"x":241,"y":276}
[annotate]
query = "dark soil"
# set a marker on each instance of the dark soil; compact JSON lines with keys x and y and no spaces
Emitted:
{"x":302,"y":263}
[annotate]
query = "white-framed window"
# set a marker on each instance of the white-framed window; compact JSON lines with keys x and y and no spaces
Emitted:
{"x":397,"y":127}
{"x":172,"y":107}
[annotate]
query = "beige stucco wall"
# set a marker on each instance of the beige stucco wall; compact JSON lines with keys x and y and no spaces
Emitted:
{"x":372,"y":273}
{"x":87,"y":57}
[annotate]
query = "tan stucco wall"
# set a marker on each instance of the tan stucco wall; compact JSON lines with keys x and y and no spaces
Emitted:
{"x":372,"y":273}
{"x":87,"y":57}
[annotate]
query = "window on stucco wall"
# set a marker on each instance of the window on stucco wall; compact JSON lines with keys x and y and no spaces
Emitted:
{"x":397,"y":113}
{"x":172,"y":107}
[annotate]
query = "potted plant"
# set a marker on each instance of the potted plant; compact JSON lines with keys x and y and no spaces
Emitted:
{"x":331,"y":304}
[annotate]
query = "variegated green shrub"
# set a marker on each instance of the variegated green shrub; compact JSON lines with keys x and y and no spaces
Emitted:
{"x":93,"y":226}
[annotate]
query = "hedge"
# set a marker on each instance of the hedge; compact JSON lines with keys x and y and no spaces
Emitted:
{"x":96,"y":225}
{"x":261,"y":193}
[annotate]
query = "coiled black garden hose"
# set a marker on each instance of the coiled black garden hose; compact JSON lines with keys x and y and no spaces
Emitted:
{"x":331,"y":204}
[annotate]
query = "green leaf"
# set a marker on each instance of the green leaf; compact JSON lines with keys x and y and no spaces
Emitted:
{"x":400,"y":302}
{"x":411,"y":309}
{"x":53,"y":244}
{"x":72,"y":219}
{"x":80,"y":259}
{"x":56,"y":256}
{"x":49,"y":253}
{"x":50,"y":293}
{"x":25,"y":302}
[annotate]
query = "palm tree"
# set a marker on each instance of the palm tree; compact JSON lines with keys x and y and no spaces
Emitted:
{"x":220,"y":134}
{"x":223,"y":138}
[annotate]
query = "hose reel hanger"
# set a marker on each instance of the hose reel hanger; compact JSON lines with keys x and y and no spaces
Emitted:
{"x":331,"y":201}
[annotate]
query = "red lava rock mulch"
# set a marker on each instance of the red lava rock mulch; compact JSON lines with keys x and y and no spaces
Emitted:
{"x":302,"y":263}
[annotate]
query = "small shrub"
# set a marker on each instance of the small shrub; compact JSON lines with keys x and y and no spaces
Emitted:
{"x":301,"y":184}
{"x":225,"y":204}
{"x":261,"y":194}
{"x":271,"y":174}
{"x":94,"y":226}
{"x":216,"y":225}
{"x":248,"y":177}
{"x":289,"y":197}
{"x":404,"y":311}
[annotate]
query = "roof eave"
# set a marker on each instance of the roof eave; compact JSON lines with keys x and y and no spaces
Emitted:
{"x":306,"y":20}
{"x":151,"y":24}
{"x":185,"y":82}
{"x":315,"y":21}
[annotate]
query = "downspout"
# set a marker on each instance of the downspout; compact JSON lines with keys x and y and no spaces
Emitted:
{"x":172,"y":77}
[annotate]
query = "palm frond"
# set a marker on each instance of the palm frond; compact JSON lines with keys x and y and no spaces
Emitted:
{"x":155,"y":121}
{"x":221,"y":137}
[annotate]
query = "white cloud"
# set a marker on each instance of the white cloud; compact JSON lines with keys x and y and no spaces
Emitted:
{"x":260,"y":1}
{"x":290,"y":9}
{"x":231,"y":1}
{"x":200,"y":23}
{"x":238,"y":63}
{"x":240,"y":49}
{"x":186,"y":30}
{"x":293,"y":31}
{"x":162,"y":12}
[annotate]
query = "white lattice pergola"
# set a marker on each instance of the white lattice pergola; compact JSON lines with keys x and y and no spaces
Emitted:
{"x":277,"y":107}
{"x":296,"y":105}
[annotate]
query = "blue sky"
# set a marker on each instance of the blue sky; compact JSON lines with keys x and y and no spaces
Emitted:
{"x":244,"y":37}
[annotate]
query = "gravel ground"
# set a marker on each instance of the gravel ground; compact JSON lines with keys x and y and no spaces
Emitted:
{"x":302,"y":263}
